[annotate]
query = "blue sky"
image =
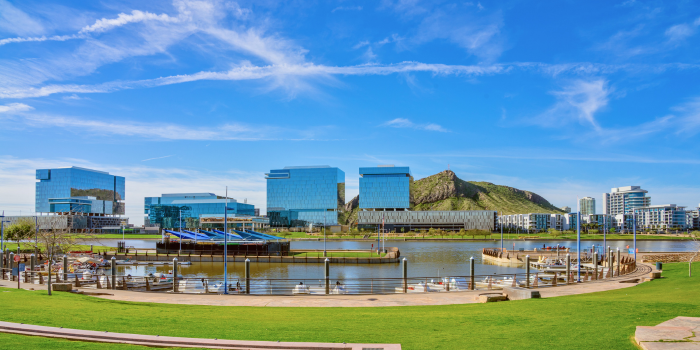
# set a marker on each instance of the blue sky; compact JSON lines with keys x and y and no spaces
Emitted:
{"x":561,"y":98}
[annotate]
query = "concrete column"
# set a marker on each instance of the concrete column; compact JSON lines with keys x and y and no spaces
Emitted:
{"x":405,"y":275}
{"x":10,"y":264}
{"x":113,"y":264}
{"x":247,"y":276}
{"x":65,"y":268}
{"x":595,"y":265}
{"x":568,"y":269}
{"x":327,"y":276}
{"x":32,"y":264}
{"x":527,"y":271}
{"x":471,"y":273}
{"x":176,"y":283}
{"x":618,"y":261}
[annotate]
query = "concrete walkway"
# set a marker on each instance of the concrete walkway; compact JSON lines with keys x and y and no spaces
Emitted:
{"x":411,"y":299}
{"x":158,"y":341}
{"x":680,"y":333}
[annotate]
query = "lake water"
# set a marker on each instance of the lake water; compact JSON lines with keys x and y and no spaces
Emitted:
{"x":425,"y":259}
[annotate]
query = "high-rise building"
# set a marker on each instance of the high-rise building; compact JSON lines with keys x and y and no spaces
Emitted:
{"x":303,"y":195}
{"x":79,"y":191}
{"x":385,"y":187}
{"x":623,"y":200}
{"x":169,"y":210}
{"x":587,"y":205}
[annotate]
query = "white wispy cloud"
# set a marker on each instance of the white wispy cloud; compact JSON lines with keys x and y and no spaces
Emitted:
{"x":15,"y":107}
{"x":406,"y":123}
{"x":145,"y":160}
{"x":347,"y":8}
{"x":578,"y":101}
{"x":14,"y":20}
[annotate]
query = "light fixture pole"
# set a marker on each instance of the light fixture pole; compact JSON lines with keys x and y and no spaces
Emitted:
{"x":501,"y":224}
{"x":2,"y":231}
{"x":180,"y":238}
{"x":324,"y":232}
{"x":605,"y":228}
{"x":634,"y":235}
{"x":578,"y":243}
{"x":226,"y":245}
{"x":36,"y":235}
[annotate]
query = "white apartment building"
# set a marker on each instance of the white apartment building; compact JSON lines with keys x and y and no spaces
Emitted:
{"x":587,"y":205}
{"x":533,"y":222}
{"x":661,"y":217}
{"x":623,"y":200}
{"x":692,"y":218}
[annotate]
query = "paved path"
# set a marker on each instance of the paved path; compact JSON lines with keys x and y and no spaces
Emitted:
{"x":158,"y":341}
{"x":680,"y":333}
{"x":410,"y":299}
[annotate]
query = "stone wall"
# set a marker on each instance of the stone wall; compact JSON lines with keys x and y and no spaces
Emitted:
{"x":669,"y":257}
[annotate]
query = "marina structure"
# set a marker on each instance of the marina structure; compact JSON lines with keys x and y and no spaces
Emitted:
{"x":299,"y":196}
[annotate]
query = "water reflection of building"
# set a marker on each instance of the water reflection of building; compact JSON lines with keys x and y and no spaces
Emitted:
{"x":184,"y":210}
{"x":303,"y":195}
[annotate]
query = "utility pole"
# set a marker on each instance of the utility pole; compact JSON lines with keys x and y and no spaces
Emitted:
{"x":226,"y":245}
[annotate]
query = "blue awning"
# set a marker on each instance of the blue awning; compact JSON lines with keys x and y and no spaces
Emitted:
{"x":230,"y":235}
{"x":200,"y":237}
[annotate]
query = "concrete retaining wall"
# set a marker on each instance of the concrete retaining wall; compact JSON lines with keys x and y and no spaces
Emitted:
{"x":668,"y":257}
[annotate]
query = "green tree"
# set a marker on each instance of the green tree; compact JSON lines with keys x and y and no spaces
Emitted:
{"x":20,"y":230}
{"x":461,"y":232}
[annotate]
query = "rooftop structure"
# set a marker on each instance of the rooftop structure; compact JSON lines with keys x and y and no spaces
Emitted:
{"x":298,"y":196}
{"x":184,"y":210}
{"x":385,"y":187}
{"x":79,"y":190}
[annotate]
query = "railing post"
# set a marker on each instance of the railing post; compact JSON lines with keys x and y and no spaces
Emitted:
{"x":65,"y":268}
{"x":175,"y":281}
{"x":10,"y":263}
{"x":247,"y":276}
{"x":327,"y":274}
{"x":568,"y":269}
{"x":595,"y":265}
{"x":471,"y":273}
{"x":113,"y":262}
{"x":32,"y":266}
{"x":618,"y":261}
{"x":527,"y":271}
{"x":405,"y":275}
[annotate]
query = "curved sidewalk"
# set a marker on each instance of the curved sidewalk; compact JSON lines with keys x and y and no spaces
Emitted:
{"x":411,"y":299}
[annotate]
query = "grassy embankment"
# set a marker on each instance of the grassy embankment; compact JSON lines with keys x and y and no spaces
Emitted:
{"x":26,"y":246}
{"x":604,"y":320}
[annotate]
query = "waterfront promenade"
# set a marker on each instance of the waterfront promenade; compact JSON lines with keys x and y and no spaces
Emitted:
{"x":412,"y":299}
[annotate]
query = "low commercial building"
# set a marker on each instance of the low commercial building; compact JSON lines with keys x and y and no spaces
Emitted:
{"x":404,"y":221}
{"x":183,"y":210}
{"x":80,"y":223}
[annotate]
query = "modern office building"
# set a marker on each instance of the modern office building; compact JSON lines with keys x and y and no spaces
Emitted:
{"x":692,"y":218}
{"x":566,"y":209}
{"x":623,"y":200}
{"x":587,"y":205}
{"x":303,"y":195}
{"x":385,"y":187}
{"x":185,"y":210}
{"x":78,"y":190}
{"x":661,"y":217}
{"x":404,"y":221}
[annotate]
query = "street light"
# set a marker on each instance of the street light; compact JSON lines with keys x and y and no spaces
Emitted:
{"x":226,"y":244}
{"x":2,"y":231}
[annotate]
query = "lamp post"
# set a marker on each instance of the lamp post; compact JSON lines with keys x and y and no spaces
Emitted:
{"x":180,"y":209}
{"x":2,"y":231}
{"x":578,"y":244}
{"x":324,"y":232}
{"x":226,"y":245}
{"x":500,"y":223}
{"x":36,"y":235}
{"x":634,"y":235}
{"x":605,"y":227}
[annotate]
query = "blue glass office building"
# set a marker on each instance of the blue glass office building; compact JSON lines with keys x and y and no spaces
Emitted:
{"x":166,"y":210}
{"x":79,"y":190}
{"x":385,"y":187}
{"x":298,"y":196}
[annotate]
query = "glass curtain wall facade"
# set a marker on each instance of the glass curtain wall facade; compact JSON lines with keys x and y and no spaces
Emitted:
{"x":587,"y":205}
{"x":661,"y":217}
{"x":299,"y":196}
{"x":385,"y":187}
{"x":79,"y":190}
{"x":166,"y":210}
{"x":623,"y":200}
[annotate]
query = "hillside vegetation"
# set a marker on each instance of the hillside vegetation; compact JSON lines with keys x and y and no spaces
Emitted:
{"x":445,"y":191}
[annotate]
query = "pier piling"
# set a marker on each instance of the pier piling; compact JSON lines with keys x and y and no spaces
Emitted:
{"x":471,"y":273}
{"x":405,"y":275}
{"x":114,"y":273}
{"x":65,"y":268}
{"x":247,"y":276}
{"x":175,"y":268}
{"x":327,"y":274}
{"x":32,"y":265}
{"x":568,"y":269}
{"x":595,"y":265}
{"x":527,"y":271}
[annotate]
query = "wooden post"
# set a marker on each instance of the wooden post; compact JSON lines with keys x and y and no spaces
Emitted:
{"x":527,"y":271}
{"x":595,"y":265}
{"x":405,"y":275}
{"x":124,"y":283}
{"x":617,"y":258}
{"x":77,"y":280}
{"x":568,"y":269}
{"x":114,"y":274}
{"x":148,"y":286}
{"x":247,"y":276}
{"x":175,"y":282}
{"x":554,"y":280}
{"x":471,"y":273}
{"x":98,"y":284}
{"x":41,"y":278}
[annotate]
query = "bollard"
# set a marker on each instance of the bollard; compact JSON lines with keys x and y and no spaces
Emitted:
{"x":65,"y":268}
{"x":405,"y":275}
{"x":327,"y":274}
{"x":618,"y":261}
{"x":113,"y":261}
{"x":471,"y":273}
{"x":175,"y":282}
{"x":10,"y":263}
{"x":32,"y":266}
{"x":568,"y":269}
{"x":527,"y":271}
{"x":247,"y":276}
{"x":595,"y":265}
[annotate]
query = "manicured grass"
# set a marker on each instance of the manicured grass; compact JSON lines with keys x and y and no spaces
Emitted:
{"x":30,"y":246}
{"x":118,"y":236}
{"x":604,"y":320}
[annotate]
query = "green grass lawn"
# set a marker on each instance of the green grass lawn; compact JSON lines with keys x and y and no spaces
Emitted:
{"x":30,"y":246}
{"x":604,"y":320}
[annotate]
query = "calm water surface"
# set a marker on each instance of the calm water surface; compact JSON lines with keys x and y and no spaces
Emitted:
{"x":426,"y":259}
